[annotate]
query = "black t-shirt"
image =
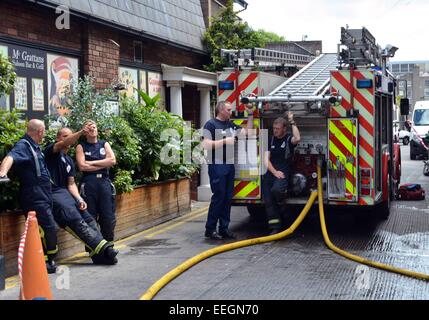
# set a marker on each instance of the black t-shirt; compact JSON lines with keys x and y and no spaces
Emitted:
{"x":94,"y":152}
{"x":60,"y":166}
{"x":216,"y":130}
{"x":281,"y":152}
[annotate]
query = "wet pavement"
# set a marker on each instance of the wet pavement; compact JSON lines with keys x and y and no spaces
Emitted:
{"x":301,"y":267}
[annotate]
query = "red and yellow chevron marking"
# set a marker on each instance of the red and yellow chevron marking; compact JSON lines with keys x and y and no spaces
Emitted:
{"x":247,"y":82}
{"x":247,"y":189}
{"x":342,"y":146}
{"x":362,"y":100}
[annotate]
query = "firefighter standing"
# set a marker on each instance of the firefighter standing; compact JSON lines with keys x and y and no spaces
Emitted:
{"x":69,"y":209}
{"x":94,"y":158}
{"x":219,"y":139}
{"x":278,"y":160}
{"x":35,"y":185}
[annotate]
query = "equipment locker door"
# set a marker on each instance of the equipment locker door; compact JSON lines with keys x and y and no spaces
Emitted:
{"x":343,"y":156}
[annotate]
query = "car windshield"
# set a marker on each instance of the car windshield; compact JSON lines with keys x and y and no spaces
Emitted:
{"x":421,"y":117}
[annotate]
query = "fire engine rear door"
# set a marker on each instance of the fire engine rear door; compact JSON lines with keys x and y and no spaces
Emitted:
{"x":343,"y":156}
{"x":247,"y":184}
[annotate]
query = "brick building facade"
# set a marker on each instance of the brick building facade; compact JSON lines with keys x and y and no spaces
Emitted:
{"x":44,"y":56}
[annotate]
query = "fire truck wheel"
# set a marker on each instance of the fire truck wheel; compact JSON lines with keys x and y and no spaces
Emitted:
{"x":257,"y":211}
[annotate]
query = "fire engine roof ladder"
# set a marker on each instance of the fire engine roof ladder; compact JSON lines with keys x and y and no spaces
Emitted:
{"x":311,"y":80}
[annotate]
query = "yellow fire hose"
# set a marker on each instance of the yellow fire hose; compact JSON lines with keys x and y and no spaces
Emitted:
{"x":351,"y":256}
{"x":157,"y":286}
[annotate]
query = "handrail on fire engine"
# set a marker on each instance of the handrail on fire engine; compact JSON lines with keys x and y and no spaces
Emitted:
{"x":272,"y":99}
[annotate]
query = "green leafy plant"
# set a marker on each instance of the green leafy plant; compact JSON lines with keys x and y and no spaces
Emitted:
{"x":85,"y":103}
{"x":149,"y":123}
{"x":12,"y":128}
{"x":7,"y":76}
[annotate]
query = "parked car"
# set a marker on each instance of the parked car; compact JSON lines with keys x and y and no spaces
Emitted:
{"x":420,"y":129}
{"x":400,"y":135}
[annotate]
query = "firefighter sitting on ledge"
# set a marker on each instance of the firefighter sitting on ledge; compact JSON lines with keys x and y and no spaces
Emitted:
{"x":278,"y":160}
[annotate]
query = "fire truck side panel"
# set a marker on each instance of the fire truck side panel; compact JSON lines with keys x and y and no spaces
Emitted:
{"x":247,"y":184}
{"x":345,"y":83}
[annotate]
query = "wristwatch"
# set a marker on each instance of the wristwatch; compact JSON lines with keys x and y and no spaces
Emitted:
{"x":292,"y":123}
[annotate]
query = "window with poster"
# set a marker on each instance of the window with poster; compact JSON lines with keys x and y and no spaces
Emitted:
{"x":148,"y":81}
{"x":43,"y":81}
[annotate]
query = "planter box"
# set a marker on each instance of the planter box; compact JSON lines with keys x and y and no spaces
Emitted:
{"x":144,"y":208}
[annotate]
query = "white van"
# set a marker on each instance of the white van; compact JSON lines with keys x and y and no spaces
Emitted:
{"x":420,"y":127}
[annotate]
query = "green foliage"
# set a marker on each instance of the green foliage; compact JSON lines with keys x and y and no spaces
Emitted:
{"x":266,"y":36}
{"x":227,"y":31}
{"x":149,"y":123}
{"x":7,"y":76}
{"x":123,"y":181}
{"x":12,"y":128}
{"x":85,"y":103}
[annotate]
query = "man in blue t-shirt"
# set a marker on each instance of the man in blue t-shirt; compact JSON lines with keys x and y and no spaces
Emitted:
{"x":278,"y":160}
{"x":219,"y":138}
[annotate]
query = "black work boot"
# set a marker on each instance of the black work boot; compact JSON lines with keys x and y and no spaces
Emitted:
{"x":51,"y":266}
{"x":213,"y":235}
{"x":111,"y":254}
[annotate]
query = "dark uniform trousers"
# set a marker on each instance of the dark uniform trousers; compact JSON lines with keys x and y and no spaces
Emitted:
{"x":39,"y":199}
{"x":222,"y":186}
{"x":99,"y":194}
{"x":275,"y":191}
{"x":79,"y":223}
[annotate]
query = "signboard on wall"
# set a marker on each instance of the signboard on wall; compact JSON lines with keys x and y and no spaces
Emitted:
{"x":129,"y":77}
{"x":63,"y":72}
{"x":29,"y":64}
{"x":156,"y":86}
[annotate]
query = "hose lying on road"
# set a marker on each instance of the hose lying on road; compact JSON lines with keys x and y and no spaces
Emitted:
{"x":157,"y":286}
{"x":355,"y":258}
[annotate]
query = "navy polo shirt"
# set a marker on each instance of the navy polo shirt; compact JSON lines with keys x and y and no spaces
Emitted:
{"x":94,"y":152}
{"x":216,"y":130}
{"x":60,"y":165}
{"x":279,"y":154}
{"x":24,"y":165}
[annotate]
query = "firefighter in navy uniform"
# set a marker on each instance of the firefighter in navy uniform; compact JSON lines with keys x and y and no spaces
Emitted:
{"x":278,"y":160}
{"x":94,"y":158}
{"x":29,"y":165}
{"x":219,"y":138}
{"x":69,"y":209}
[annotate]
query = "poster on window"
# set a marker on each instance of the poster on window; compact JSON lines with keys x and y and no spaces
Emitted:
{"x":129,"y":77}
{"x":21,"y":102}
{"x":143,"y":81}
{"x":63,"y":72}
{"x":38,"y":95}
{"x":156,"y":86}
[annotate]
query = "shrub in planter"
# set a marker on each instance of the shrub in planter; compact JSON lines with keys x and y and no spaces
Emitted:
{"x":150,"y":125}
{"x":7,"y":76}
{"x":86,"y":103}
